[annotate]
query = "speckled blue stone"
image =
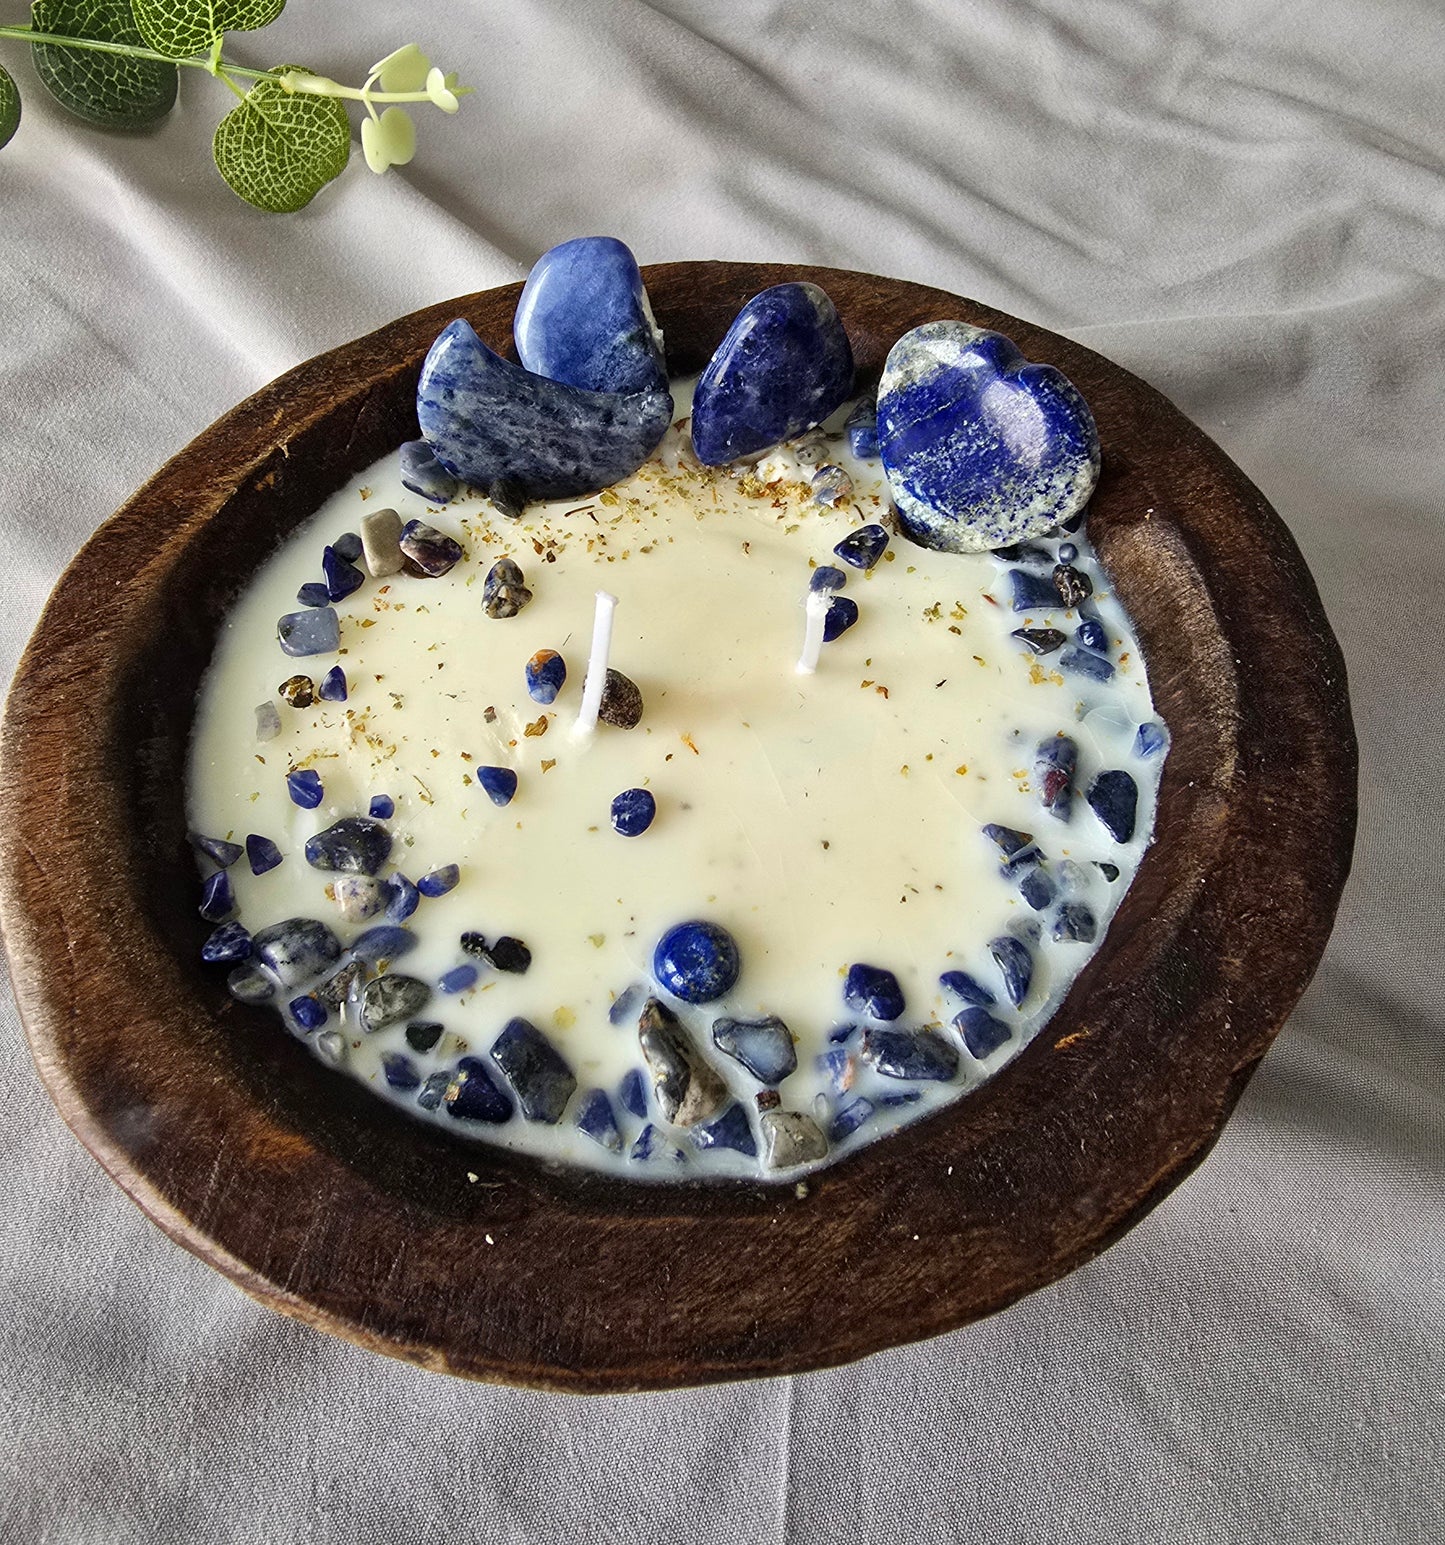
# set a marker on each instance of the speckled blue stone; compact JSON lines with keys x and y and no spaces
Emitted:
{"x":458,"y":979}
{"x":494,"y":424}
{"x":383,"y":942}
{"x":437,"y":882}
{"x":651,"y":1144}
{"x":1031,"y":592}
{"x":842,"y":613}
{"x":827,"y":578}
{"x":399,"y":1070}
{"x":333,"y":686}
{"x":730,"y":1130}
{"x":382,"y":807}
{"x":308,"y":1012}
{"x":1026,"y":553}
{"x":545,"y":674}
{"x":434,"y":1090}
{"x":342,"y":578}
{"x":864,"y":547}
{"x":582,"y":319}
{"x":849,"y":1117}
{"x":348,"y":546}
{"x":837,"y":1066}
{"x":632,"y":1091}
{"x":862,"y":428}
{"x":217,"y":849}
{"x":423,"y":474}
{"x":1075,"y":923}
{"x":314,"y":631}
{"x":981,"y":1032}
{"x":967,"y":987}
{"x":261,"y":853}
{"x":1015,"y":964}
{"x":1114,"y":798}
{"x":216,"y":898}
{"x":314,"y":593}
{"x":535,"y":1069}
{"x":872,"y":990}
{"x":1007,"y":839}
{"x":352,"y":845}
{"x":296,"y":950}
{"x":1150,"y":741}
{"x":763,"y":1046}
{"x":305,"y":788}
{"x":980,"y":447}
{"x":1081,"y":662}
{"x":1055,"y":763}
{"x":475,"y":1095}
{"x":1092,"y":634}
{"x":405,"y":898}
{"x":228,"y":944}
{"x":498,"y":783}
{"x":921,"y":1055}
{"x":596,"y":1118}
{"x":696,"y":961}
{"x":784,"y":365}
{"x":626,"y":1005}
{"x":1037,"y":889}
{"x":633,"y":811}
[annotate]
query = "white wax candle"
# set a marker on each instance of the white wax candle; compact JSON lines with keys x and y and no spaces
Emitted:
{"x":596,"y":683}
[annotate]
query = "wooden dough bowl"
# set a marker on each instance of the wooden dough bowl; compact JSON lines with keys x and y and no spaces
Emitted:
{"x":323,"y":1201}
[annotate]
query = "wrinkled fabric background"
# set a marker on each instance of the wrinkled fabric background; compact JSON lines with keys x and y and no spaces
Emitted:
{"x":1241,"y":202}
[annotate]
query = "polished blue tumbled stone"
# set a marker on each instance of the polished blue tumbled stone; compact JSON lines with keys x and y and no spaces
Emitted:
{"x":864,"y":547}
{"x":1031,"y":592}
{"x":1007,"y":839}
{"x":305,"y":788}
{"x":437,"y":882}
{"x":1025,"y":553}
{"x":382,"y":807}
{"x":626,"y":1005}
{"x":862,"y":428}
{"x":784,"y":365}
{"x":545,"y":674}
{"x":980,"y":447}
{"x":473,"y":1094}
{"x":1037,"y":889}
{"x":314,"y":631}
{"x":217,"y":849}
{"x":967,"y":987}
{"x":1055,"y":763}
{"x":1075,"y":922}
{"x":535,"y":1069}
{"x":333,"y":686}
{"x":583,"y":319}
{"x":1081,"y":662}
{"x":696,"y":961}
{"x":1039,"y":640}
{"x":827,"y":578}
{"x":1015,"y":964}
{"x":912,"y":1054}
{"x":296,"y":949}
{"x":651,"y":1144}
{"x":261,"y":853}
{"x":633,"y":811}
{"x":308,"y":1012}
{"x":849,"y":1117}
{"x":632,"y":1091}
{"x":348,"y":546}
{"x":981,"y":1032}
{"x":838,"y":1066}
{"x":383,"y":942}
{"x":314,"y":593}
{"x":730,"y":1130}
{"x":434,"y":1090}
{"x":872,"y":990}
{"x":458,"y":979}
{"x":1151,"y":739}
{"x":342,"y":578}
{"x":229,"y":943}
{"x":423,"y":474}
{"x":498,"y":783}
{"x":1092,"y":634}
{"x":399,"y":1070}
{"x":352,"y":845}
{"x":763,"y":1046}
{"x":1114,"y":798}
{"x":842,"y":613}
{"x":403,"y":898}
{"x":596,"y":1118}
{"x":496,"y":425}
{"x":216,"y":898}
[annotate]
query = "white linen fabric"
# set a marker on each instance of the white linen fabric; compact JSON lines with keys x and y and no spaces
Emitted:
{"x":1244,"y":204}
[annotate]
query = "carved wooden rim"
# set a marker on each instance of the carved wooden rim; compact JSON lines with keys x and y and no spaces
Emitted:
{"x":323,"y":1202}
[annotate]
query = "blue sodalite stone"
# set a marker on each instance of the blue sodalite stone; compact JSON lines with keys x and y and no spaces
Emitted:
{"x":1026,"y":553}
{"x":864,"y":547}
{"x":1075,"y":923}
{"x":872,"y":990}
{"x":763,"y":1046}
{"x":437,"y":882}
{"x":651,"y":1144}
{"x":831,"y":485}
{"x":382,"y":807}
{"x":827,"y":578}
{"x":248,"y":983}
{"x":730,"y":1130}
{"x":535,"y":1069}
{"x":1114,"y":798}
{"x":633,"y":811}
{"x":432,"y":551}
{"x":1016,"y":965}
{"x":1008,"y":840}
{"x":473,"y":1094}
{"x":838,"y":1067}
{"x":314,"y":593}
{"x":333,"y":686}
{"x":1037,"y":889}
{"x":967,"y":987}
{"x":632,"y":1091}
{"x":423,"y":474}
{"x":842,"y":613}
{"x":217,"y":900}
{"x":1067,"y":552}
{"x":849,"y":1117}
{"x":342,"y":578}
{"x":1055,"y":762}
{"x":1150,"y":741}
{"x":348,"y":546}
{"x":1031,"y":592}
{"x":305,"y":788}
{"x":309,"y":1012}
{"x":261,"y":853}
{"x":1092,"y":634}
{"x":229,"y":943}
{"x":840,"y":1035}
{"x":1080,"y":662}
{"x":217,"y":849}
{"x":314,"y":631}
{"x":583,"y":319}
{"x":498,"y":783}
{"x":783,"y":367}
{"x":597,"y":1120}
{"x":626,"y":1005}
{"x":498,"y":426}
{"x":696,"y":961}
{"x":981,"y":448}
{"x":434,"y":1090}
{"x":913,"y":1054}
{"x":545,"y":674}
{"x":387,"y":1000}
{"x":981,"y":1032}
{"x":1040,"y":640}
{"x":862,"y":428}
{"x":383,"y":942}
{"x":296,"y":950}
{"x":353,"y":845}
{"x":399,"y":1070}
{"x":404,"y":898}
{"x":458,"y":979}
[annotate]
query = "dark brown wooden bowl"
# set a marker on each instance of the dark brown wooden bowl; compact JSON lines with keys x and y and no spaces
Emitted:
{"x":324,"y":1202}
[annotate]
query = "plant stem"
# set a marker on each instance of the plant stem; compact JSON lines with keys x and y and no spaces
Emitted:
{"x":128,"y":51}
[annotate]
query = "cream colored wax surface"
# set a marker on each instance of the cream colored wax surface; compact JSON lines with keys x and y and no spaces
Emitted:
{"x":822,"y":819}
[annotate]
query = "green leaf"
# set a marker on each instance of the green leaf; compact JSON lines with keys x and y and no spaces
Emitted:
{"x":105,"y":89}
{"x":278,"y":150}
{"x":181,"y":28}
{"x":9,"y":107}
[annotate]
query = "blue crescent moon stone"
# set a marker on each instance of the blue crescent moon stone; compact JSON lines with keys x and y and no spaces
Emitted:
{"x":499,"y":427}
{"x":981,"y":448}
{"x":783,"y":367}
{"x":696,"y":961}
{"x":423,"y":474}
{"x":583,"y":319}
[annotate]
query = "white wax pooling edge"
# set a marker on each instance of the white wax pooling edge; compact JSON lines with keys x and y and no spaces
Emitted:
{"x":596,"y":682}
{"x":817,"y":609}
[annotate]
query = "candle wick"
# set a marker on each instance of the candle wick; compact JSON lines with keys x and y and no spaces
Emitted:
{"x":817,"y":610}
{"x":596,"y":682}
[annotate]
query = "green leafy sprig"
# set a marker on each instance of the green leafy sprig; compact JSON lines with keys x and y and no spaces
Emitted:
{"x":114,"y":63}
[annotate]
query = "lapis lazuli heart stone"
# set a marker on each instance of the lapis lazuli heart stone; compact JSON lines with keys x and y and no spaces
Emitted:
{"x":981,"y":447}
{"x":503,"y":429}
{"x":583,"y":319}
{"x":783,"y":367}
